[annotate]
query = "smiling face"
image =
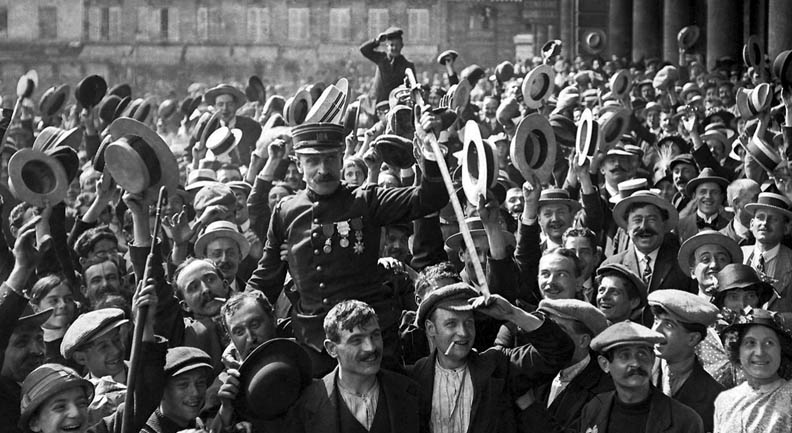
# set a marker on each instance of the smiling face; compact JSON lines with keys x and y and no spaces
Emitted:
{"x":459,"y":327}
{"x":104,"y":356}
{"x":613,"y":299}
{"x":184,"y":396}
{"x":557,"y":277}
{"x":760,"y":354}
{"x":681,"y":174}
{"x":555,"y":219}
{"x":24,"y":353}
{"x":61,"y":300}
{"x":226,"y":255}
{"x":646,"y":227}
{"x":768,"y":226}
{"x":710,"y":198}
{"x":226,"y":105}
{"x":65,"y":412}
{"x":708,"y":260}
{"x":359,"y":351}
{"x":200,"y":284}
{"x":617,"y":168}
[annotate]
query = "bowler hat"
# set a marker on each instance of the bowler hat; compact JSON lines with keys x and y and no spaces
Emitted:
{"x":537,"y":86}
{"x":688,"y":36}
{"x":139,"y":109}
{"x":574,"y":309}
{"x":138,"y":159}
{"x":707,"y":237}
{"x":189,"y":105}
{"x":479,"y":167}
{"x":222,"y":141}
{"x":255,"y":91}
{"x":588,"y":137}
{"x":52,"y":137}
{"x":752,"y":52}
{"x":683,"y":306}
{"x":122,"y":90}
{"x":45,"y":382}
{"x":740,"y":276}
{"x":446,"y":56}
{"x":297,"y":107}
{"x":706,"y":175}
{"x":762,"y":151}
{"x":90,"y":326}
{"x":533,"y":148}
{"x":37,"y":178}
{"x":645,"y":197}
{"x":623,"y":334}
{"x":27,"y":84}
{"x":781,"y":68}
{"x":221,"y":229}
{"x":90,"y":90}
{"x":53,"y":100}
{"x":396,"y":150}
{"x":272,"y":377}
{"x":224,"y":89}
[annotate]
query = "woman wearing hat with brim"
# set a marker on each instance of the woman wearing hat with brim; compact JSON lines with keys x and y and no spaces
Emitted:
{"x":54,"y":399}
{"x":763,"y":349}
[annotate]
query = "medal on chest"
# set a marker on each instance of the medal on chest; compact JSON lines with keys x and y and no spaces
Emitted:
{"x":357,"y":226}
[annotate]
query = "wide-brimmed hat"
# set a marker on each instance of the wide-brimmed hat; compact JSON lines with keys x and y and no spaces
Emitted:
{"x":751,"y":102}
{"x":476,"y":228}
{"x":628,"y":188}
{"x":224,"y":89}
{"x":139,"y":109}
{"x":558,"y":196}
{"x":781,"y":68}
{"x":706,"y":175}
{"x":223,"y":140}
{"x":707,"y":237}
{"x":53,"y":99}
{"x":741,"y":276}
{"x":752,"y":52}
{"x":90,"y":90}
{"x":620,"y":84}
{"x":122,"y":90}
{"x":447,"y":55}
{"x":271,"y":379}
{"x":537,"y":86}
{"x":533,"y":148}
{"x":138,"y":159}
{"x":588,"y":137}
{"x":297,"y":107}
{"x":753,"y":317}
{"x":479,"y":166}
{"x":762,"y":151}
{"x":688,"y":36}
{"x":396,"y":151}
{"x":255,"y":91}
{"x":45,"y":382}
{"x":665,"y":77}
{"x":460,"y":95}
{"x":594,"y":41}
{"x":328,"y":108}
{"x":647,"y":197}
{"x":27,"y":84}
{"x":37,"y":178}
{"x":613,"y":124}
{"x":32,"y":319}
{"x":771,"y":201}
{"x":217,"y":230}
{"x":108,"y":108}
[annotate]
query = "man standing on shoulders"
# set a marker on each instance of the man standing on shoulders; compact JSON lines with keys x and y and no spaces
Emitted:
{"x":391,"y":65}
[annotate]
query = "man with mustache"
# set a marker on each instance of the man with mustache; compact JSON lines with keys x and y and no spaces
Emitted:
{"x":223,"y":244}
{"x":648,"y":218}
{"x":709,"y":191}
{"x":332,"y":235}
{"x":704,"y":255}
{"x":556,"y":213}
{"x":682,"y":168}
{"x":626,"y":353}
{"x":617,"y":166}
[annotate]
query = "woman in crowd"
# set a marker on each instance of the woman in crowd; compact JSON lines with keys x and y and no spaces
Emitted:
{"x":54,"y":292}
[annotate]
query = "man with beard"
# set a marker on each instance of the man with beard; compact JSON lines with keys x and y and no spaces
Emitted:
{"x":332,"y":236}
{"x":626,"y":353}
{"x":395,"y":242}
{"x":226,"y":99}
{"x":683,"y":319}
{"x":708,"y":190}
{"x":358,"y":395}
{"x":648,"y":219}
{"x":704,"y":255}
{"x":740,"y":193}
{"x":223,"y":244}
{"x":391,"y":65}
{"x":682,"y":169}
{"x":103,"y":283}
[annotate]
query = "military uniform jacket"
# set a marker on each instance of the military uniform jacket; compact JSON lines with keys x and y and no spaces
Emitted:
{"x":389,"y":74}
{"x":666,"y":415}
{"x":334,"y":247}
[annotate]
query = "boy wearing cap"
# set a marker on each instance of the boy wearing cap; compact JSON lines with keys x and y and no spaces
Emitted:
{"x":391,"y":65}
{"x":626,"y":354}
{"x":620,"y":294}
{"x":454,"y":373}
{"x":683,"y":319}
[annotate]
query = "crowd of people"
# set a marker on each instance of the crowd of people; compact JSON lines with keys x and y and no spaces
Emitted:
{"x":587,"y":246}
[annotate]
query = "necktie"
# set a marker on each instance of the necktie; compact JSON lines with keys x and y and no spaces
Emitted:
{"x":647,"y":273}
{"x":761,"y":265}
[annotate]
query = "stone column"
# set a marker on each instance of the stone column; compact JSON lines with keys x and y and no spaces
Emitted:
{"x":646,"y":32}
{"x":724,"y":30}
{"x":567,"y":28}
{"x":779,"y":27}
{"x":541,"y":37}
{"x":676,"y":14}
{"x":620,"y":27}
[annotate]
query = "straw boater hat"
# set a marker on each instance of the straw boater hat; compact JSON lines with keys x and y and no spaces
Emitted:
{"x":688,"y":36}
{"x":588,"y":137}
{"x":550,"y":196}
{"x":297,"y":107}
{"x":647,"y":197}
{"x":533,"y":148}
{"x":628,"y":188}
{"x":27,"y":84}
{"x":762,"y":151}
{"x":781,"y":68}
{"x":37,"y":178}
{"x":620,"y":84}
{"x":217,"y":230}
{"x":446,"y":56}
{"x":614,"y":121}
{"x":222,"y":141}
{"x":53,"y":100}
{"x":460,"y":95}
{"x":224,"y":89}
{"x":771,"y":201}
{"x":707,"y":237}
{"x":479,"y":168}
{"x":752,"y":52}
{"x":537,"y":86}
{"x":594,"y":41}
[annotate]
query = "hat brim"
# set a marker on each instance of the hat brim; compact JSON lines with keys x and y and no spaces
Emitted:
{"x":535,"y":131}
{"x":18,"y":177}
{"x":455,"y":241}
{"x":690,"y":187}
{"x":620,"y":84}
{"x":446,"y":54}
{"x":751,"y":208}
{"x":541,"y":78}
{"x":621,"y":207}
{"x":479,"y":174}
{"x":34,"y":320}
{"x":461,"y":95}
{"x":574,"y":205}
{"x":90,"y":91}
{"x":688,"y":36}
{"x":587,"y":137}
{"x":57,"y":388}
{"x":298,"y":107}
{"x":211,"y":95}
{"x":328,"y":107}
{"x":206,"y":238}
{"x":693,"y":243}
{"x":613,"y":123}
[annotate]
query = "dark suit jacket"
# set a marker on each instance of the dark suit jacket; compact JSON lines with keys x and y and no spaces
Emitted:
{"x":389,"y":74}
{"x":666,"y":415}
{"x":251,"y":131}
{"x":317,"y":409}
{"x":699,"y":392}
{"x":498,"y":375}
{"x":563,"y":415}
{"x":688,"y":227}
{"x":665,"y":272}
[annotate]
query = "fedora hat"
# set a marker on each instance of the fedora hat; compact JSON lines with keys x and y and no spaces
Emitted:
{"x":740,"y":276}
{"x":27,"y":84}
{"x":628,"y":188}
{"x":533,"y":148}
{"x":760,"y":98}
{"x":762,"y":151}
{"x":594,"y":41}
{"x":37,"y":178}
{"x":551,"y":49}
{"x":558,"y":196}
{"x":771,"y":201}
{"x":45,"y":382}
{"x":620,"y":84}
{"x":479,"y":166}
{"x":222,"y":141}
{"x":688,"y":36}
{"x":613,"y":124}
{"x":707,"y":237}
{"x":107,"y":108}
{"x":297,"y":107}
{"x":648,"y":197}
{"x":665,"y":77}
{"x":90,"y":91}
{"x":706,"y":175}
{"x":122,"y":90}
{"x":53,"y":100}
{"x":224,"y":89}
{"x":139,"y":109}
{"x":272,"y":377}
{"x":588,"y":137}
{"x":255,"y":91}
{"x":446,"y":56}
{"x":138,"y":159}
{"x":217,"y":230}
{"x":781,"y":68}
{"x":537,"y":86}
{"x":328,"y":108}
{"x":476,"y":228}
{"x":752,"y":52}
{"x":396,"y":150}
{"x":504,"y":71}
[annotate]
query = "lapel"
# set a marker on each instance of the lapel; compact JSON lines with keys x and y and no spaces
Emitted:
{"x":322,"y":406}
{"x":660,"y":413}
{"x":631,"y":261}
{"x":479,"y":375}
{"x":585,"y":381}
{"x":402,"y":403}
{"x":665,"y":262}
{"x":606,"y":402}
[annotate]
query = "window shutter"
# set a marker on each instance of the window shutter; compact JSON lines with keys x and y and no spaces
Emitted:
{"x":173,"y":24}
{"x":202,"y":24}
{"x":115,"y":23}
{"x":253,"y":23}
{"x":94,"y":24}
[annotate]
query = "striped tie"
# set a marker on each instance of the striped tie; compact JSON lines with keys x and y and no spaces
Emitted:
{"x":647,"y":273}
{"x":761,"y":265}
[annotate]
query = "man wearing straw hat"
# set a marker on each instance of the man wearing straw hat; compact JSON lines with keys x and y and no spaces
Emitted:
{"x":226,"y":99}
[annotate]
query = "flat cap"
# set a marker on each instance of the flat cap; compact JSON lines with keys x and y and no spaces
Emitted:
{"x":90,"y":326}
{"x":44,"y":382}
{"x":392,"y":33}
{"x":214,"y":193}
{"x":625,"y":333}
{"x":453,"y":297}
{"x":182,"y":359}
{"x":575,"y":309}
{"x":683,"y":306}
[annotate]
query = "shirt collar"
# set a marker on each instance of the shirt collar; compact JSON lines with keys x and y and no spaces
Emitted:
{"x":769,"y":254}
{"x":740,"y":229}
{"x":571,"y":372}
{"x":707,"y":219}
{"x":612,"y":191}
{"x":652,"y":255}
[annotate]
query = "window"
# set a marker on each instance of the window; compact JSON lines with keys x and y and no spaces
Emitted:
{"x":339,"y":24}
{"x":143,"y":23}
{"x":3,"y":22}
{"x":166,"y":21}
{"x":48,"y":22}
{"x":299,"y":24}
{"x":378,"y":21}
{"x":104,"y":24}
{"x":418,"y":24}
{"x":258,"y":24}
{"x":202,"y":24}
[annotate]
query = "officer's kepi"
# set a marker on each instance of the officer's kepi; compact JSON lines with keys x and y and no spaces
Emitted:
{"x":318,"y":138}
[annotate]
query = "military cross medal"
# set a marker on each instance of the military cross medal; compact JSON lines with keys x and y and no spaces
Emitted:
{"x":357,"y":225}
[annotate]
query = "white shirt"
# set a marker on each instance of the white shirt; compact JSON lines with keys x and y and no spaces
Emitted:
{"x":707,"y":219}
{"x":362,"y":406}
{"x":740,"y":229}
{"x":641,"y":257}
{"x":769,"y":258}
{"x":452,"y":400}
{"x":565,"y":376}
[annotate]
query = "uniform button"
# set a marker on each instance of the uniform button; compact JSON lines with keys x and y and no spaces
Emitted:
{"x":315,"y":235}
{"x":318,"y":269}
{"x":321,"y":285}
{"x":326,"y":301}
{"x":316,"y":252}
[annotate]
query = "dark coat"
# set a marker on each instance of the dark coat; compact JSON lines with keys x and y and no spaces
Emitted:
{"x":665,"y":272}
{"x":389,"y":75}
{"x":666,"y":415}
{"x":699,"y":392}
{"x":688,"y":226}
{"x":498,"y":375}
{"x":317,"y":409}
{"x":11,"y":307}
